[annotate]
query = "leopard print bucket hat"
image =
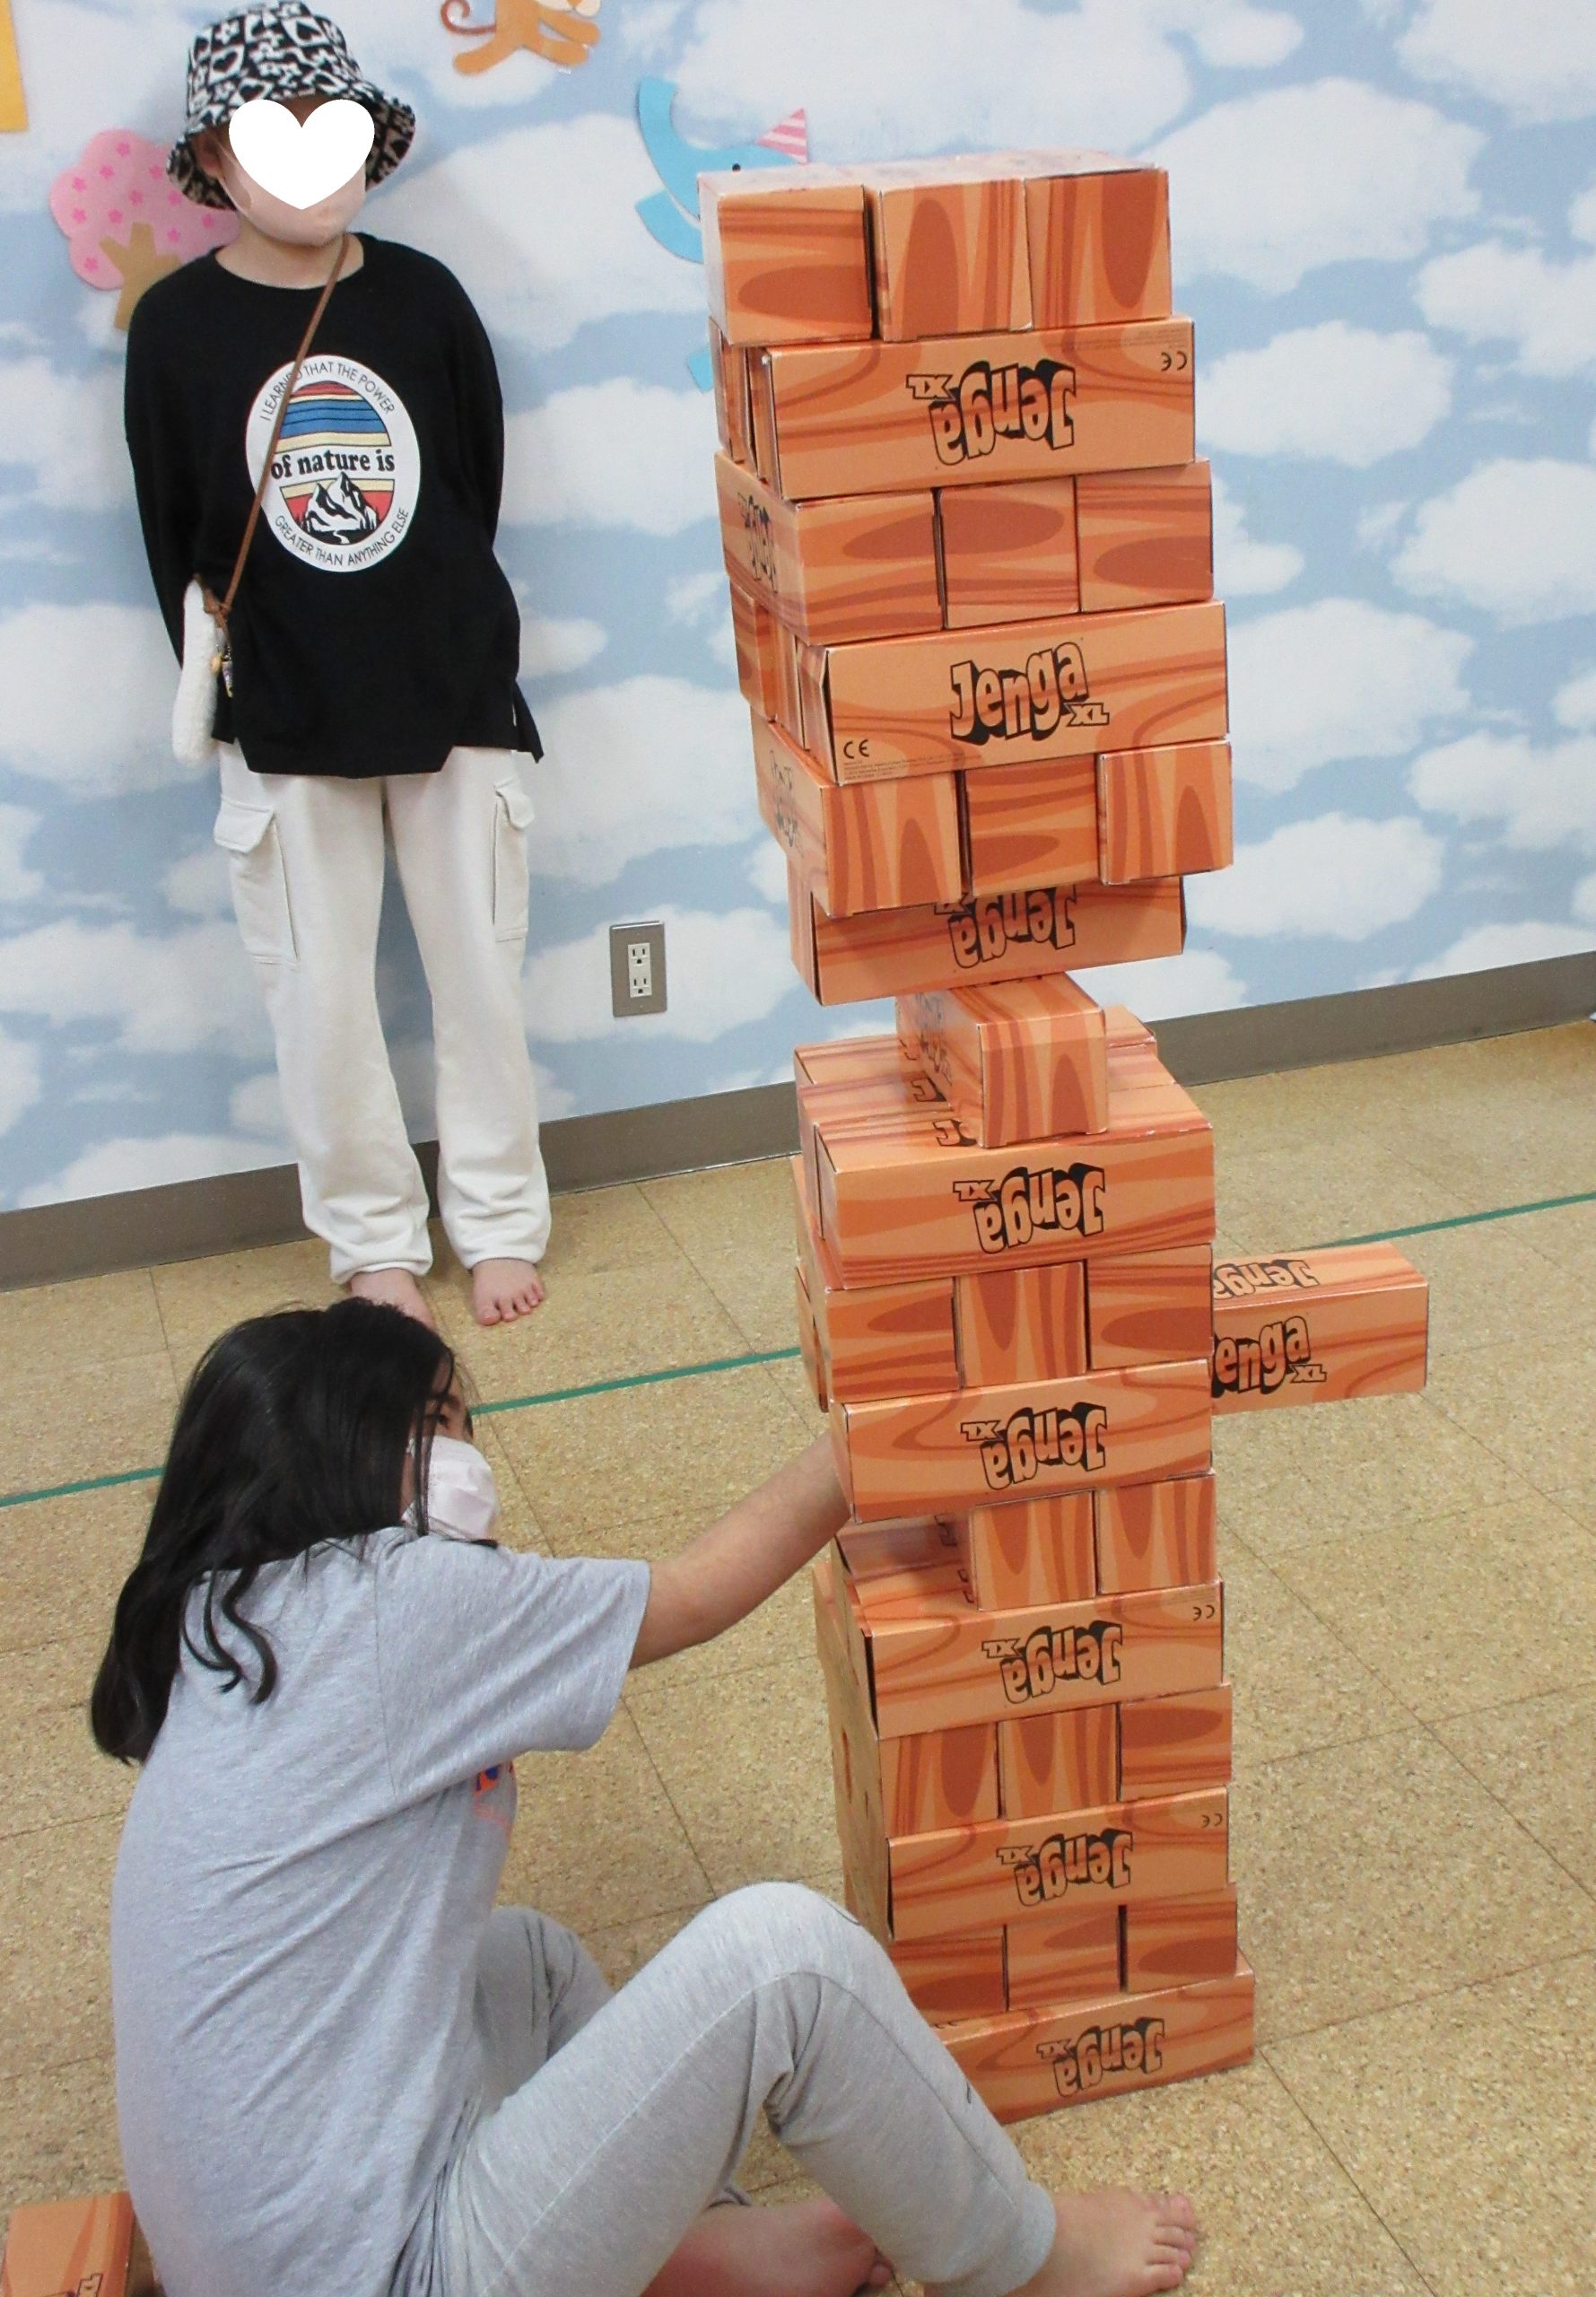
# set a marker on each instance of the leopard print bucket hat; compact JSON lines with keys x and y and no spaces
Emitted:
{"x":281,"y":51}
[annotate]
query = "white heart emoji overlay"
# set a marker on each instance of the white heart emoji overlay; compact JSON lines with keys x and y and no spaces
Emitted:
{"x":302,"y":165}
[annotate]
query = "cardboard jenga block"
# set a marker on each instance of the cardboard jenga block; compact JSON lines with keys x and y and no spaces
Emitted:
{"x":1014,"y":1059}
{"x":862,"y":567}
{"x":728,"y":377}
{"x":1017,"y":693}
{"x":907,"y":1194}
{"x":886,"y":1340}
{"x":1032,"y":1553}
{"x":753,"y":630}
{"x":786,"y":258}
{"x":1165,"y":812}
{"x":1156,"y":1534}
{"x":809,"y":1347}
{"x":1009,"y":552}
{"x":1038,"y":929}
{"x":1145,"y":537}
{"x":1070,"y":1957}
{"x":785,"y":648}
{"x":963,"y":1878}
{"x":949,"y":244}
{"x":761,"y":420}
{"x":1049,"y":1763}
{"x":1030,"y":824}
{"x":1318,"y":1327}
{"x":1149,"y":1308}
{"x":958,"y":410}
{"x":1020,"y":1323}
{"x":1034,"y":2061}
{"x":1175,"y":1746}
{"x":1098,"y":238}
{"x":1177,"y":1941}
{"x":954,"y":1978}
{"x":91,"y":2247}
{"x":939,"y":1778}
{"x":1029,"y":1440}
{"x":871,"y":848}
{"x":951,"y":1664}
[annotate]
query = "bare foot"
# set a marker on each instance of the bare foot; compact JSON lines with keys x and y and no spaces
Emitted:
{"x":800,"y":2248}
{"x":1116,"y":2243}
{"x":503,"y":1289}
{"x":394,"y":1288}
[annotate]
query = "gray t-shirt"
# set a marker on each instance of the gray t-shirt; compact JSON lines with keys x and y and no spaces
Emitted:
{"x":301,"y":1888}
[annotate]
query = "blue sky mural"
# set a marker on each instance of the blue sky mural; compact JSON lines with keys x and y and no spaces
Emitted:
{"x":1384,"y":226}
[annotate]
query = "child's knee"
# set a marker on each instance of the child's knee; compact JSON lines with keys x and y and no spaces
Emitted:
{"x":783,"y":1929}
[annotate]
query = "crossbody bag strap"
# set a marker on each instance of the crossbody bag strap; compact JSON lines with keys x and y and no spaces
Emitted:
{"x":223,"y":607}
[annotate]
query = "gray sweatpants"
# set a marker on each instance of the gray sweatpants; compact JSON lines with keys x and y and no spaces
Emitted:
{"x":612,"y":2120}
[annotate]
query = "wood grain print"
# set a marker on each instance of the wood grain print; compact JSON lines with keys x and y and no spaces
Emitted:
{"x":1016,"y":1060}
{"x":1099,"y":247}
{"x":1165,"y":812}
{"x":786,"y":260}
{"x":950,"y":258}
{"x":866,"y":848}
{"x":858,"y":568}
{"x":1318,"y":1327}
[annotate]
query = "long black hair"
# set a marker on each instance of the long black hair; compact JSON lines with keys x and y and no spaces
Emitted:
{"x":293,"y":1430}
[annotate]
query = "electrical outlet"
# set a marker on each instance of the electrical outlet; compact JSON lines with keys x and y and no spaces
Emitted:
{"x":636,"y":969}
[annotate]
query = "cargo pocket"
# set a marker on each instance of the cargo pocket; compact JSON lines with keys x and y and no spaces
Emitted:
{"x":247,"y":835}
{"x":512,"y":817}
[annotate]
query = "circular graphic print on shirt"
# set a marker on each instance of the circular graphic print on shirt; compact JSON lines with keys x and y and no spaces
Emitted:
{"x":347,"y":470}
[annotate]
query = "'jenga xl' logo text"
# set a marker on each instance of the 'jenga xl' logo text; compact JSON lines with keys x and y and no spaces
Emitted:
{"x":1239,"y":1280}
{"x":981,"y":931}
{"x":1259,"y":1365}
{"x":1002,"y":704}
{"x":987,"y":403}
{"x":1049,"y":1871}
{"x":1015,"y":1450}
{"x":1026,"y":1204}
{"x":1034,"y":1666}
{"x":1085,"y":2061}
{"x":760,"y":540}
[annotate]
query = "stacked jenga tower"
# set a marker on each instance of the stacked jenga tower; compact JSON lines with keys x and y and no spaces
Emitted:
{"x":970,"y":552}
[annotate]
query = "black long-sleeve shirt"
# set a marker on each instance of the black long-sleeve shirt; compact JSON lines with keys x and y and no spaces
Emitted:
{"x":374,"y":629}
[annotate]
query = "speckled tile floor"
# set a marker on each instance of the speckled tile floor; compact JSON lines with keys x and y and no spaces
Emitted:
{"x":1412,"y":1639}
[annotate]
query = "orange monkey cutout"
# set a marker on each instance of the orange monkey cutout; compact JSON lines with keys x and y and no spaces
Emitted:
{"x":558,"y":30}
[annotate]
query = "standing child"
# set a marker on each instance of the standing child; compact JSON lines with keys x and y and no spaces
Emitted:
{"x":375,"y":642}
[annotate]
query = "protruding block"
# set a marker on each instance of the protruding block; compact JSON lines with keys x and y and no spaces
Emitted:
{"x":857,"y":567}
{"x":1098,"y":238}
{"x":1165,"y":812}
{"x":1156,"y":1534}
{"x":1030,"y":824}
{"x":786,"y":257}
{"x":1014,"y":1060}
{"x":954,"y":1978}
{"x":1038,"y":929}
{"x":1049,"y":1763}
{"x":1034,"y":2061}
{"x":1318,"y":1327}
{"x":860,"y":849}
{"x":1032,"y":1553}
{"x":949,"y":244}
{"x":1069,"y":1957}
{"x":1145,"y":537}
{"x":1149,"y":1308}
{"x":1175,"y":1941}
{"x":1021,"y":1324}
{"x":1177,"y":1744}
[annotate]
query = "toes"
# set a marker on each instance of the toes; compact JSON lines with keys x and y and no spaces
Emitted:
{"x":1176,"y":2209}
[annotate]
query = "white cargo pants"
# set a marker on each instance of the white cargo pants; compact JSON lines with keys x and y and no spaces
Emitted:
{"x":306,"y":856}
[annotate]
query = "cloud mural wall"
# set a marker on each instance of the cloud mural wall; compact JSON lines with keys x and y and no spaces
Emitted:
{"x":1384,"y":225}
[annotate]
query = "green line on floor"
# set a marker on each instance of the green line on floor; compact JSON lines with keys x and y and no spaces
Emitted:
{"x":783,"y":1355}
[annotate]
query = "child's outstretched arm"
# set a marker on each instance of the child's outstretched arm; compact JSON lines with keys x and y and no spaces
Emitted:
{"x":756,"y":1546}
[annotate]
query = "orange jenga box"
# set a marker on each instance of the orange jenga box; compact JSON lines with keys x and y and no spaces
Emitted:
{"x":1018,"y":693}
{"x":728,"y":377}
{"x":948,"y":242}
{"x":1172,"y":1941}
{"x":919,"y":1453}
{"x":910,"y":1193}
{"x":858,"y":849}
{"x":1036,"y":930}
{"x":1318,"y":1327}
{"x":1033,"y":2061}
{"x":1032,"y":1552}
{"x":1165,"y":812}
{"x":76,"y":2249}
{"x":1030,"y":824}
{"x":1058,"y":1762}
{"x":1004,"y":1870}
{"x":754,"y":633}
{"x":1070,"y":1957}
{"x":1068,"y":546}
{"x":860,"y":567}
{"x":879,"y":1340}
{"x":1176,"y":1744}
{"x":1014,"y":1059}
{"x":809,"y":1347}
{"x":891,"y":1086}
{"x":869,"y":418}
{"x":1156,"y":1534}
{"x":1150,"y":1307}
{"x":1097,"y":232}
{"x":1021,"y":1324}
{"x":786,"y":257}
{"x":954,"y":1978}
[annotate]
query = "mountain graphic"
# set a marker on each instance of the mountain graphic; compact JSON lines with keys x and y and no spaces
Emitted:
{"x":335,"y":510}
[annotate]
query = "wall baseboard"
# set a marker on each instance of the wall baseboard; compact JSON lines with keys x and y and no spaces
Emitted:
{"x":231,"y":1212}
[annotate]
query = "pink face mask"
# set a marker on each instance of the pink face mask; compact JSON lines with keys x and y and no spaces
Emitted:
{"x":462,"y":1497}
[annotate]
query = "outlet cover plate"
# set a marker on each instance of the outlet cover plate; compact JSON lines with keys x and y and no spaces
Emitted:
{"x":622,"y":941}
